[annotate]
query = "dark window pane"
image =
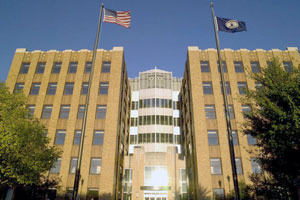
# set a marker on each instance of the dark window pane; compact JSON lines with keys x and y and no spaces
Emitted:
{"x":51,"y":88}
{"x":56,"y":168}
{"x":204,"y":66}
{"x":224,"y":67}
{"x":73,"y":67}
{"x":210,"y":112}
{"x":31,"y":109}
{"x":64,"y":112}
{"x":24,"y":68}
{"x":88,"y":67}
{"x":251,"y":140}
{"x":18,"y":87}
{"x":56,"y":68}
{"x":255,"y":67}
{"x":95,"y":166}
{"x":105,"y":67}
{"x":101,"y":112}
{"x":227,"y":87}
{"x":212,"y":138}
{"x":73,"y":165}
{"x":242,"y":86}
{"x":98,"y":137}
{"x":77,"y":137}
{"x":80,"y":112}
{"x":47,"y":110}
{"x":256,"y":168}
{"x":35,"y":88}
{"x":245,"y":109}
{"x":103,"y":89}
{"x":60,"y":137}
{"x":69,"y":89}
{"x":238,"y":163}
{"x":84,"y":88}
{"x":215,"y":166}
{"x":40,"y":68}
{"x":288,"y":67}
{"x":235,"y":139}
{"x":207,"y":88}
{"x":231,"y":111}
{"x":218,"y":193}
{"x":238,"y":66}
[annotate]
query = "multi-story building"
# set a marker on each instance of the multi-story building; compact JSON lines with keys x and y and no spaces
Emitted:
{"x":154,"y":168}
{"x":205,"y":143}
{"x":154,"y":137}
{"x":56,"y":86}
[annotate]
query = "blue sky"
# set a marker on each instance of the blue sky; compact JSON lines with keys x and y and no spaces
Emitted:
{"x":161,"y":30}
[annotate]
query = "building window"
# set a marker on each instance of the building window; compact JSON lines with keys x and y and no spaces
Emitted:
{"x":18,"y":87}
{"x":215,"y":166}
{"x":35,"y":88}
{"x":256,"y":168}
{"x":31,"y":109}
{"x":84,"y":88}
{"x":101,"y":112}
{"x":69,"y":193}
{"x":56,"y":168}
{"x":95,"y":166}
{"x":51,"y":88}
{"x":106,"y":67}
{"x":242,"y":87}
{"x":251,"y":140}
{"x":227,"y":87}
{"x":24,"y":68}
{"x":207,"y":88}
{"x":47,"y":110}
{"x":80,"y":113}
{"x":288,"y":67}
{"x":245,"y":110}
{"x":60,"y":137}
{"x":73,"y":165}
{"x":238,"y":164}
{"x":224,"y":66}
{"x":92,"y":194}
{"x":182,"y":181}
{"x":231,"y":112}
{"x":88,"y":67}
{"x":235,"y":138}
{"x":269,"y":63}
{"x":98,"y":137}
{"x":134,"y":105}
{"x":258,"y":85}
{"x":255,"y":67}
{"x":213,"y":137}
{"x":204,"y":66}
{"x":210,"y":112}
{"x":73,"y":67}
{"x":77,"y":137}
{"x":64,"y":112}
{"x":40,"y":68}
{"x":238,"y":66}
{"x":218,"y":193}
{"x":103,"y":89}
{"x":69,"y":88}
{"x":56,"y":68}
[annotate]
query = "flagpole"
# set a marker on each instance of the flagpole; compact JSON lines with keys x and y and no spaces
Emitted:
{"x":227,"y":116}
{"x":84,"y":119}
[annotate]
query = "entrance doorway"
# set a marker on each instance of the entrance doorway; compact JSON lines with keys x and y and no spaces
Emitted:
{"x":155,"y":197}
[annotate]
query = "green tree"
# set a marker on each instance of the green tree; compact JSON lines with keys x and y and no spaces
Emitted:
{"x":25,"y":154}
{"x":274,"y":120}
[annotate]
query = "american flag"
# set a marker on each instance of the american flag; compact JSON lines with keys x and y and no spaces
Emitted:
{"x":121,"y":18}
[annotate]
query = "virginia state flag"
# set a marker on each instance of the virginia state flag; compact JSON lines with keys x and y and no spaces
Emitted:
{"x":230,"y":25}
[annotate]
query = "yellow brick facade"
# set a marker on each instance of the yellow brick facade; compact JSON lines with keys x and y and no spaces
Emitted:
{"x":115,"y":124}
{"x":195,"y":124}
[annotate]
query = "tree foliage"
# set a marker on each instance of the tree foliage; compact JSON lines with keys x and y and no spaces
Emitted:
{"x":274,"y":120}
{"x":25,"y":154}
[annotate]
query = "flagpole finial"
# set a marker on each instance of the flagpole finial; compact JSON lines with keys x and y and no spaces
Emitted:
{"x":211,"y":4}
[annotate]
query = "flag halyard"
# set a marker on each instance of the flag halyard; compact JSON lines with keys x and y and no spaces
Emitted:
{"x":122,"y":18}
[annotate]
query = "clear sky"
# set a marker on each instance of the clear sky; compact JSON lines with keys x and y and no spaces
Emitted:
{"x":161,"y":30}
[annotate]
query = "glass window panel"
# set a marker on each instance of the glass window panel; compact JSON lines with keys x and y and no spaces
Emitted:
{"x":238,"y":66}
{"x":69,"y":88}
{"x":255,"y":67}
{"x":204,"y":66}
{"x":40,"y":68}
{"x":73,"y":67}
{"x":207,"y":88}
{"x":218,"y":193}
{"x":88,"y":67}
{"x":24,"y":68}
{"x":101,"y":112}
{"x":106,"y":67}
{"x":238,"y":163}
{"x":47,"y":110}
{"x":31,"y":109}
{"x":56,"y":168}
{"x":288,"y":67}
{"x":35,"y":88}
{"x":98,"y":137}
{"x":103,"y":89}
{"x":80,"y":113}
{"x":231,"y":111}
{"x":95,"y":166}
{"x":245,"y":109}
{"x":18,"y":87}
{"x":56,"y":68}
{"x":84,"y":88}
{"x":77,"y":137}
{"x":51,"y":88}
{"x":215,"y":166}
{"x":64,"y":112}
{"x":251,"y":140}
{"x":60,"y":137}
{"x":73,"y":165}
{"x":256,"y":168}
{"x":210,"y":112}
{"x":227,"y":87}
{"x":213,"y":137}
{"x":242,"y":86}
{"x":235,"y":139}
{"x":224,"y":66}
